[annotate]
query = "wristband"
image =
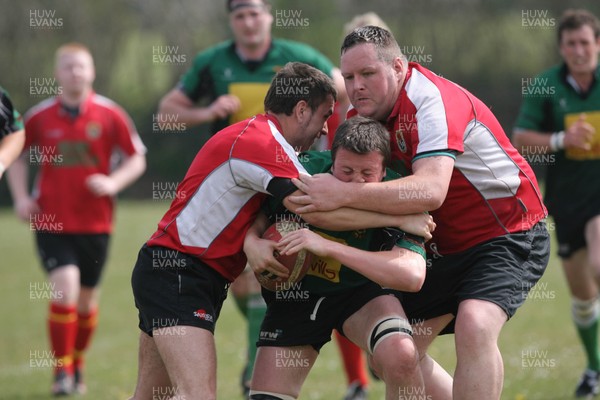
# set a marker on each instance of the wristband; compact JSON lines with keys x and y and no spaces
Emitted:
{"x":557,"y":141}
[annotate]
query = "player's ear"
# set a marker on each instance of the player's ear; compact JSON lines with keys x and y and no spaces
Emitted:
{"x":300,"y":110}
{"x":269,"y":15}
{"x":399,"y":68}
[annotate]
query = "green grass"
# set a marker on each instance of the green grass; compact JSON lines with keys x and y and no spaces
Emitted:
{"x":542,"y":357}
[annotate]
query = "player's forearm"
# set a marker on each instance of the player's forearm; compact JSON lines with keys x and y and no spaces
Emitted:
{"x":347,"y":219}
{"x":398,"y":269}
{"x":256,"y":230}
{"x":424,"y":190}
{"x":10,"y":148}
{"x":171,"y":109}
{"x":408,"y":195}
{"x":129,"y":171}
{"x":526,"y":138}
{"x":17,"y":179}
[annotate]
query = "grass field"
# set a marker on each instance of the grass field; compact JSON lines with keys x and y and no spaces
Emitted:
{"x":541,"y":354}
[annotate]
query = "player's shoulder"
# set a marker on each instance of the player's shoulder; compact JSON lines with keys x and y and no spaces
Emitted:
{"x":291,"y":44}
{"x":554,"y":72}
{"x":422,"y":81}
{"x":211,"y":53}
{"x":298,"y":49}
{"x":422,"y":77}
{"x":41,"y":108}
{"x":252,"y":130}
{"x":417,"y":68}
{"x":103,"y":102}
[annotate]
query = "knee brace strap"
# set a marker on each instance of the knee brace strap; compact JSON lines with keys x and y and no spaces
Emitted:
{"x":386,"y":327}
{"x":260,"y":395}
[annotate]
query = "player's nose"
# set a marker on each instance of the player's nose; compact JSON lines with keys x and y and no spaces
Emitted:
{"x":358,"y":178}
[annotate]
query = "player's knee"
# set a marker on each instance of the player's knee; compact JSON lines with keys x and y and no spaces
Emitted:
{"x":476,"y":323}
{"x":397,"y":358}
{"x":260,"y":395}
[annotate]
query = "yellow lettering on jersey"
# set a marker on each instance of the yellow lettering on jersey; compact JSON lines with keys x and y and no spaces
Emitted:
{"x":592,"y":118}
{"x":326,"y":267}
{"x":252,"y":97}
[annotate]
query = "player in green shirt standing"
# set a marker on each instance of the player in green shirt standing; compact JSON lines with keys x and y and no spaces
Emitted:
{"x":234,"y":77}
{"x":560,"y":119}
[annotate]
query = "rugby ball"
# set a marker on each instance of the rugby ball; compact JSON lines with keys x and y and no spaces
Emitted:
{"x":297,"y":264}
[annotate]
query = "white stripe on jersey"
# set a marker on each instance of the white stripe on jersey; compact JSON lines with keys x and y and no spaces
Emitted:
{"x":215,"y":204}
{"x":431,"y":113}
{"x":223,"y":193}
{"x":249,"y":175}
{"x":489,"y":169}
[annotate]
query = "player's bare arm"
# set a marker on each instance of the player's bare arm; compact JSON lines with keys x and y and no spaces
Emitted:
{"x":424,"y":190}
{"x":177,"y":103}
{"x":399,"y":269}
{"x":346,"y":219}
{"x":579,"y":135}
{"x":10,"y":148}
{"x":127,"y":173}
{"x":17,"y":182}
{"x":259,"y":252}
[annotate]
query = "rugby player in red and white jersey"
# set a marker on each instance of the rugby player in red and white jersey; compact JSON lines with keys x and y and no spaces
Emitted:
{"x":183,"y":272}
{"x":73,"y":139}
{"x":491,"y":244}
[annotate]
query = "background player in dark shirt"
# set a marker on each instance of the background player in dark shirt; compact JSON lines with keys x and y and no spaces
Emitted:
{"x":12,"y":134}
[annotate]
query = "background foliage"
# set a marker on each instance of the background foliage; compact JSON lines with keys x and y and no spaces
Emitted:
{"x":481,"y":44}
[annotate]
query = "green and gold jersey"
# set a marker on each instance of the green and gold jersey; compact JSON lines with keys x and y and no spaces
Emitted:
{"x":327,"y":275}
{"x":552,"y":104}
{"x":219,"y":70}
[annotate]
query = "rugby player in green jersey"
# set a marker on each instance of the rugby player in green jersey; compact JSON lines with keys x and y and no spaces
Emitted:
{"x":352,"y":285}
{"x":559,"y":126}
{"x":234,"y":75}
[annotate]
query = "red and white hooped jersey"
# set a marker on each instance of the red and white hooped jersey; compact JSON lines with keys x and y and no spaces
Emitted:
{"x":493,"y":190}
{"x":68,"y":149}
{"x":222,"y":192}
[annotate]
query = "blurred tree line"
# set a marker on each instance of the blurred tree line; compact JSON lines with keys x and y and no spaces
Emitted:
{"x":491,"y":47}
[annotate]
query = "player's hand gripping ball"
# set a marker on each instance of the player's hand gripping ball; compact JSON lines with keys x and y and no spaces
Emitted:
{"x":297,"y":263}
